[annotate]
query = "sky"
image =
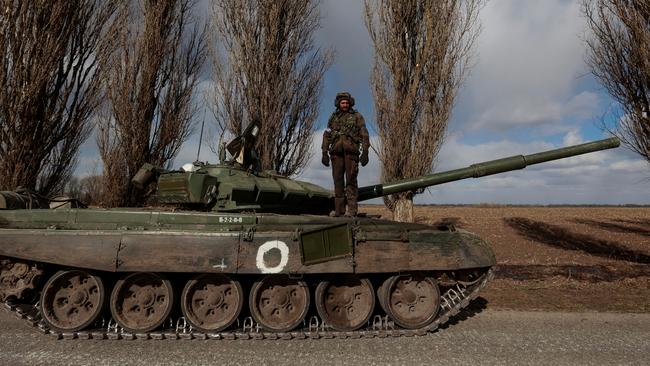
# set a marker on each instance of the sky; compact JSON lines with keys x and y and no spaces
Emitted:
{"x":529,"y":90}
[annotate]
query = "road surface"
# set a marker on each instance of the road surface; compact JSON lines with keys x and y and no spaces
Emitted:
{"x":487,"y":338}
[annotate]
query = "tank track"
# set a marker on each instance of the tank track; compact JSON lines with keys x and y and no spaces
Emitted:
{"x":453,"y":301}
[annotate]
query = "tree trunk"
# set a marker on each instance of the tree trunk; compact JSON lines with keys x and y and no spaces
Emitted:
{"x":404,"y":210}
{"x":422,"y":52}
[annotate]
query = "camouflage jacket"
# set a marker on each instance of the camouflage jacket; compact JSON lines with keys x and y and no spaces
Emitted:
{"x":346,"y":133}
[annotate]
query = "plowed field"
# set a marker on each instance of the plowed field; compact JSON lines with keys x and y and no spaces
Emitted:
{"x":558,"y":258}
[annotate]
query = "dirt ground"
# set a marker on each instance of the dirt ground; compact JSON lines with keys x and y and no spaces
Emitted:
{"x":557,"y":258}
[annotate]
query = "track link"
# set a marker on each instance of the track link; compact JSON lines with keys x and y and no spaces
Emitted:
{"x":453,"y":301}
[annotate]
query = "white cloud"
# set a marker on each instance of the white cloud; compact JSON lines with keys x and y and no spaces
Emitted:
{"x":342,"y":29}
{"x":530,"y":59}
{"x":573,"y":138}
{"x":582,"y":105}
{"x":630,"y":166}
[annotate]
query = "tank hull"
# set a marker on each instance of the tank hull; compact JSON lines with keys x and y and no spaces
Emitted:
{"x":147,"y":266}
{"x":158,"y":241}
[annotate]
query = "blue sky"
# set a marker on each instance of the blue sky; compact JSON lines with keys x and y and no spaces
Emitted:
{"x":529,"y":90}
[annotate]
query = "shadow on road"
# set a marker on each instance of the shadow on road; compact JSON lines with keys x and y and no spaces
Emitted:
{"x":475,"y":307}
{"x":618,"y":228}
{"x":562,"y":238}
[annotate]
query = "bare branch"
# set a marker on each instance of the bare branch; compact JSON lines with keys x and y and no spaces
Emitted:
{"x":267,"y":69}
{"x":53,"y":55}
{"x":618,"y":53}
{"x":150,"y":85}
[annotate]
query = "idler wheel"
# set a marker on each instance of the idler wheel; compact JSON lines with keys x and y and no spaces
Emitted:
{"x":345,"y":304}
{"x":211,"y":302}
{"x":72,"y":300}
{"x":411,"y":300}
{"x":140,"y":302}
{"x":19,"y":280}
{"x":279,"y":303}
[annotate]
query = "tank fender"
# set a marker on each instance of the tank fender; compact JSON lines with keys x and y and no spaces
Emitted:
{"x":424,"y":250}
{"x":97,"y":250}
{"x":178,"y":252}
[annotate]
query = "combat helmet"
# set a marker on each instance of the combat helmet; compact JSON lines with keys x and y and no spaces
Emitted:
{"x":341,"y":96}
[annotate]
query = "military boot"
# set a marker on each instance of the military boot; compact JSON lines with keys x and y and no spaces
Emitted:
{"x":339,"y":206}
{"x":352,"y":207}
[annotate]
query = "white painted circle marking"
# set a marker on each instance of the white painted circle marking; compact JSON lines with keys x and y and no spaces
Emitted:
{"x":265,"y":248}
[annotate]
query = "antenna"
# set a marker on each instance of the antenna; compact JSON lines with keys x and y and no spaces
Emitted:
{"x":198,"y":153}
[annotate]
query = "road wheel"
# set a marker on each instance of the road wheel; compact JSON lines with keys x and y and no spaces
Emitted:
{"x":279,"y":303}
{"x":412,"y":300}
{"x":345,"y":303}
{"x":140,"y":302}
{"x":211,"y":302}
{"x":72,"y":300}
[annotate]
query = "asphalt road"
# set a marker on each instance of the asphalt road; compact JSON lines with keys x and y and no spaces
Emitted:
{"x":487,"y":338}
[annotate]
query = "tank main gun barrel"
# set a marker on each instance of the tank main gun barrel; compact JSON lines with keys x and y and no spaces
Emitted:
{"x":483,"y":169}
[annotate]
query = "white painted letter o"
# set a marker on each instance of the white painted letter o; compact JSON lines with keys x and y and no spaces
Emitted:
{"x":264,"y":248}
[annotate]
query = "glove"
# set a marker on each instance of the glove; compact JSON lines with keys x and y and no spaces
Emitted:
{"x":326,"y":159}
{"x":364,"y":158}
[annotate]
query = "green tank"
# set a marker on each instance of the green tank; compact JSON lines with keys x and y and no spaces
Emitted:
{"x":238,"y":253}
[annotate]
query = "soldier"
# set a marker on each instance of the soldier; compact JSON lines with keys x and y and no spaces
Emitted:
{"x":344,"y":139}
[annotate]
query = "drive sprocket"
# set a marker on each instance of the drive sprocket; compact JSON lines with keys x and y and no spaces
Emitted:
{"x":18,"y":279}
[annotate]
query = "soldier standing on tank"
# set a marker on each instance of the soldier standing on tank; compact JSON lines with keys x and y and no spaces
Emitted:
{"x":346,"y":143}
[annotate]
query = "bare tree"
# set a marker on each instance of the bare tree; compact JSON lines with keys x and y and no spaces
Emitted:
{"x":150,"y":84}
{"x":53,"y":53}
{"x":73,"y":188}
{"x":272,"y":75}
{"x":619,"y":56}
{"x":90,"y":190}
{"x":422,"y":53}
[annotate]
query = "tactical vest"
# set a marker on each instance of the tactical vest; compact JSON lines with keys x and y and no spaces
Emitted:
{"x":346,"y":134}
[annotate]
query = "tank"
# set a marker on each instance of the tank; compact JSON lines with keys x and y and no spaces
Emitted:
{"x":235,"y":252}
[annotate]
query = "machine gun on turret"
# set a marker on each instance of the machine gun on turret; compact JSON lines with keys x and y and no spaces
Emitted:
{"x":234,"y":188}
{"x":242,"y":147}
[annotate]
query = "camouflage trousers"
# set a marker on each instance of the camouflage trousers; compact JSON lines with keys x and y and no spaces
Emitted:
{"x":345,"y":169}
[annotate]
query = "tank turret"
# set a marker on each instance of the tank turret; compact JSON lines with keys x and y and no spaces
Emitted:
{"x":238,"y":185}
{"x":235,"y":186}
